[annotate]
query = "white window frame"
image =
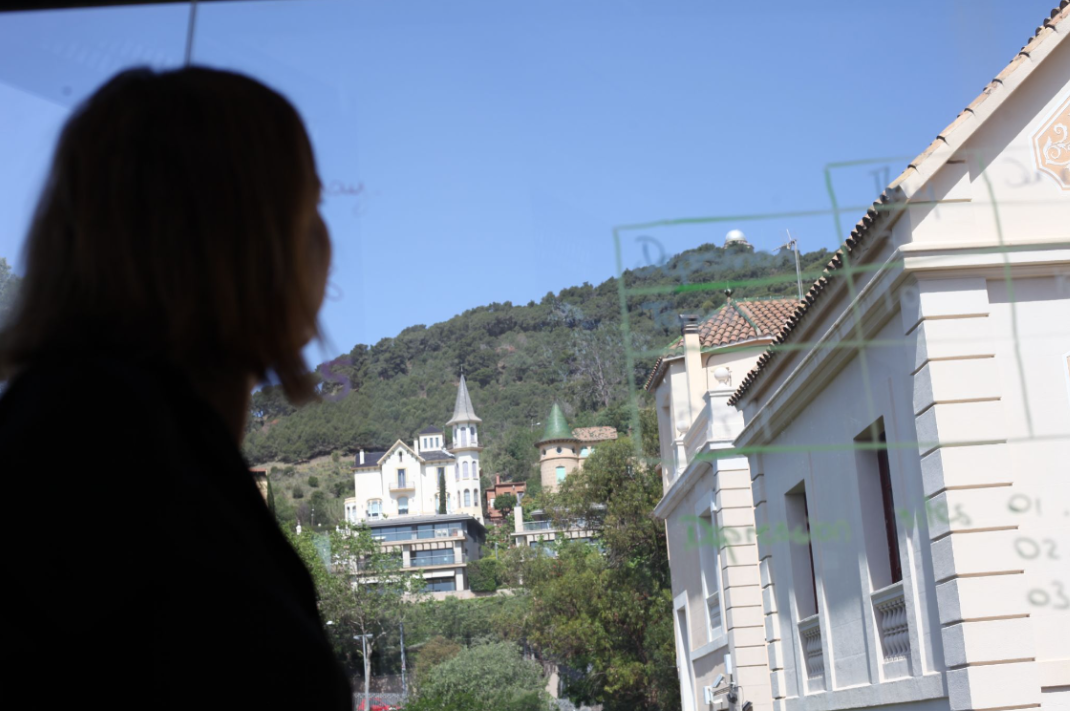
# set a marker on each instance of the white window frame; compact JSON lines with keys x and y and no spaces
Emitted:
{"x":684,"y":652}
{"x":378,"y":512}
{"x":716,"y":637}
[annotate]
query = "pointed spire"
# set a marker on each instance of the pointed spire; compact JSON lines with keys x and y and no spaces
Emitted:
{"x":556,"y":425}
{"x":463,"y":410}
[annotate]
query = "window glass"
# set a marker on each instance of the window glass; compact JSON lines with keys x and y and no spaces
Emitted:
{"x":560,"y":473}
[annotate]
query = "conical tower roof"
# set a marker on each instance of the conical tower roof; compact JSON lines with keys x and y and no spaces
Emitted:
{"x":462,"y":409}
{"x":557,"y":426}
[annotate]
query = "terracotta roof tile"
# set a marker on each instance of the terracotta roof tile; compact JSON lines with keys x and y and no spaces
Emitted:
{"x":735,"y":322}
{"x":594,"y":434}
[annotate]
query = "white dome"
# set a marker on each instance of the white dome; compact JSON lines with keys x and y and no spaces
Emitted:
{"x":735,"y":237}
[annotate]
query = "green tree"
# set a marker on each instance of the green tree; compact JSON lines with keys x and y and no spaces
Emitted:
{"x":608,"y":608}
{"x":9,"y":284}
{"x":309,"y":547}
{"x":271,"y":498}
{"x":483,"y":575}
{"x":434,"y":651}
{"x":487,"y":676}
{"x":442,"y":490}
{"x":367,"y":595}
{"x":505,"y":503}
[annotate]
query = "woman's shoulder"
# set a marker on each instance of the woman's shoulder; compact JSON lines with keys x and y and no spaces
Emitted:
{"x":80,"y":402}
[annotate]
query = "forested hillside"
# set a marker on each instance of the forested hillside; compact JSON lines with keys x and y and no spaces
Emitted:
{"x":517,"y":360}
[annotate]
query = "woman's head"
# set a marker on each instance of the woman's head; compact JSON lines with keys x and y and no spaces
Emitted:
{"x":179,"y":220}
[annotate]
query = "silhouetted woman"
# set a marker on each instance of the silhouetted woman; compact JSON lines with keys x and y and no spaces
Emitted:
{"x":177,"y":256}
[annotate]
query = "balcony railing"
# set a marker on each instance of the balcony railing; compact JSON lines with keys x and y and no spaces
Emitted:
{"x":715,"y":422}
{"x":402,"y":486}
{"x":445,"y":558}
{"x":696,"y":437}
{"x":395,"y":536}
{"x":538,"y":525}
{"x":814,"y":656}
{"x":890,"y":610}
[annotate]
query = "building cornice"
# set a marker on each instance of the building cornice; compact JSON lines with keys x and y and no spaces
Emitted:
{"x":811,"y":372}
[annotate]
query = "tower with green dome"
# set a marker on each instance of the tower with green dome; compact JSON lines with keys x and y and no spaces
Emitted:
{"x":559,"y":451}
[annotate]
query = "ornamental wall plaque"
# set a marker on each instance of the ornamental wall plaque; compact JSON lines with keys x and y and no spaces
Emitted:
{"x":1051,"y":146}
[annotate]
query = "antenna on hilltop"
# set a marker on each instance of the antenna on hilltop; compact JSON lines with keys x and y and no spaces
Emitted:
{"x":793,"y":244}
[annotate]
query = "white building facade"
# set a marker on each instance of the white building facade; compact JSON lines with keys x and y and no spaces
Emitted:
{"x":708,"y":509}
{"x":912,"y":494}
{"x":404,"y":480}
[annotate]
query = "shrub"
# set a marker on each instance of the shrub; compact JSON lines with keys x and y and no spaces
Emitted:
{"x":313,"y":481}
{"x":484,"y":575}
{"x":495,"y":675}
{"x":298,"y":492}
{"x":435,"y":651}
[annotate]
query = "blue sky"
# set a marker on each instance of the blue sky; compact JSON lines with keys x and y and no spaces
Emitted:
{"x":499,"y":143}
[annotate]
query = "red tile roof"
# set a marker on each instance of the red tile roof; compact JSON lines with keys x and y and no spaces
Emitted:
{"x":594,"y":434}
{"x":735,"y":322}
{"x":892,"y":200}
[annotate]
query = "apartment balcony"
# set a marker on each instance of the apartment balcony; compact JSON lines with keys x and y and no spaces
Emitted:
{"x":716,"y":422}
{"x":890,"y":611}
{"x":538,"y":525}
{"x":813,"y":654}
{"x":407,"y":536}
{"x":446,"y":557}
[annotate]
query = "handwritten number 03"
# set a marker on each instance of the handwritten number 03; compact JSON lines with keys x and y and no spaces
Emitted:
{"x":1039,"y":597}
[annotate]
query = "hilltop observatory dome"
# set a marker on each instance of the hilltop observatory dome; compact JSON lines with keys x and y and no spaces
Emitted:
{"x":736,"y":237}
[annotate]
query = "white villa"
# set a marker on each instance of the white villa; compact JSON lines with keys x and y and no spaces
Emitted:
{"x":404,"y":480}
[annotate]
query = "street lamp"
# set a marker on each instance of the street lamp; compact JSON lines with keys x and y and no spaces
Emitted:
{"x":367,"y":665}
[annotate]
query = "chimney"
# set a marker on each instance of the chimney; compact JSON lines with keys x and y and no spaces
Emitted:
{"x":696,"y":378}
{"x":362,"y":457}
{"x":416,"y":445}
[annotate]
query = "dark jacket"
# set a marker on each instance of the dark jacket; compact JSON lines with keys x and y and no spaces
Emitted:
{"x":146,"y":570}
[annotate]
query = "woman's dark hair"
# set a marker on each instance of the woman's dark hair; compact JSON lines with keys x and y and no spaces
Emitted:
{"x":179,"y":220}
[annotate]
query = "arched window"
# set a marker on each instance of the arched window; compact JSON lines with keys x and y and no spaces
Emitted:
{"x":374,"y":508}
{"x":403,"y":505}
{"x":467,"y":497}
{"x":464,"y":467}
{"x":400,"y":455}
{"x":473,"y":434}
{"x":464,"y":436}
{"x":584,"y":451}
{"x":559,"y":450}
